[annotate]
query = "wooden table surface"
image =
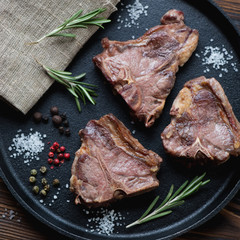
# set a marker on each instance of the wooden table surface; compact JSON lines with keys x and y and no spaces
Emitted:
{"x":17,"y":224}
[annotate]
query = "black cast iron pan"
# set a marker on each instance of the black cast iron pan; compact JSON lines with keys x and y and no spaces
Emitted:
{"x":60,"y":213}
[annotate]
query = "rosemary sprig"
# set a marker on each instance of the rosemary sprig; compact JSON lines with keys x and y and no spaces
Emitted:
{"x":77,"y":88}
{"x":172,"y":200}
{"x":77,"y":21}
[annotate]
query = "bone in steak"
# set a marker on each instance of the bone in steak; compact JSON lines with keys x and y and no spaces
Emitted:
{"x":203,"y":126}
{"x":143,"y":71}
{"x":111,"y":164}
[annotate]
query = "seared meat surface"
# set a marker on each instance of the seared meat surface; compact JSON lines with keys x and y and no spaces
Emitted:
{"x":203,"y":126}
{"x":143,"y":71}
{"x":111,"y":164}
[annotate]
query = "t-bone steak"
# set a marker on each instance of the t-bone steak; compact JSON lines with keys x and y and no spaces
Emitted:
{"x":203,"y":126}
{"x":143,"y":70}
{"x":111,"y":164}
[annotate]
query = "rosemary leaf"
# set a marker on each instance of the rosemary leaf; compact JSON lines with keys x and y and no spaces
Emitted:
{"x":179,"y":190}
{"x":81,"y":95}
{"x":91,"y":91}
{"x":98,"y":22}
{"x":73,"y":17}
{"x":77,"y":21}
{"x":167,"y":197}
{"x":157,"y":216}
{"x":150,"y":207}
{"x":59,"y":80}
{"x":90,"y":15}
{"x":60,"y":72}
{"x":205,"y":182}
{"x":72,"y":92}
{"x":76,"y":26}
{"x":73,"y":85}
{"x":80,"y":76}
{"x":63,"y":35}
{"x":172,"y":200}
{"x":78,"y":104}
{"x":87,"y":95}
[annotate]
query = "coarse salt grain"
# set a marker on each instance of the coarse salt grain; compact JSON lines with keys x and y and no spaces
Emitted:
{"x":135,"y":11}
{"x":11,"y":215}
{"x":104,"y":221}
{"x":217,"y":58}
{"x":27,"y":146}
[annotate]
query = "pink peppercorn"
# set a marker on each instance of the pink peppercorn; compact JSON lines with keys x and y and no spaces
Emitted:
{"x":62,"y":149}
{"x":66,"y":156}
{"x":51,"y":154}
{"x":50,"y":160}
{"x":52,"y":149}
{"x":56,"y":161}
{"x":55,"y":145}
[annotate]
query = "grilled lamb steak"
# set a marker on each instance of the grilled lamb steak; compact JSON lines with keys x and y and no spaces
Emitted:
{"x":111,"y":164}
{"x":143,"y":71}
{"x":203,"y":126}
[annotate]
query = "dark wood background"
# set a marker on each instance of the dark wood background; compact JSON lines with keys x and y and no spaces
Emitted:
{"x":23,"y":226}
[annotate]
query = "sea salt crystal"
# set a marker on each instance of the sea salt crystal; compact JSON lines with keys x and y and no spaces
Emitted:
{"x":28,"y":146}
{"x":11,"y":215}
{"x":104,"y":221}
{"x":135,"y":11}
{"x":217,"y":58}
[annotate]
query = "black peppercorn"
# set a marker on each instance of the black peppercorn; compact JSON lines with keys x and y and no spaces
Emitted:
{"x":67,"y":132}
{"x":61,"y":130}
{"x":57,"y":120}
{"x":66,"y":123}
{"x":37,"y":117}
{"x":45,"y":119}
{"x":63,"y":116}
{"x":54,"y":110}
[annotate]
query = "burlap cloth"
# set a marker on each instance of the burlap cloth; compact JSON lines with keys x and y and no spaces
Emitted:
{"x":22,"y":80}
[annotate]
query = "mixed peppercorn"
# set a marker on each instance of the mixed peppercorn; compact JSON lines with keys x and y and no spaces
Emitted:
{"x":57,"y":154}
